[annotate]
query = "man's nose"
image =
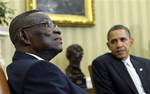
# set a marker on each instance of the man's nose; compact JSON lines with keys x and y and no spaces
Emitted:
{"x":119,"y":43}
{"x":57,"y":30}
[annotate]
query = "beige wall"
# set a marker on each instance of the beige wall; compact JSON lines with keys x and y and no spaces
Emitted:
{"x":133,"y":13}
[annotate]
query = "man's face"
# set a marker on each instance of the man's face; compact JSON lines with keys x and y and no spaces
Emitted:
{"x":46,"y":38}
{"x":119,"y":43}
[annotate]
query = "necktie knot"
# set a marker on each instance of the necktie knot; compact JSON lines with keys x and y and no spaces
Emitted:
{"x":127,"y":64}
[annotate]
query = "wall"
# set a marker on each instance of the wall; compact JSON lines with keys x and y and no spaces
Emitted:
{"x":132,"y":13}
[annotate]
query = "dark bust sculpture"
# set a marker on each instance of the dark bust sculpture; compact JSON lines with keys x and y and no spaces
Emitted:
{"x":74,"y":54}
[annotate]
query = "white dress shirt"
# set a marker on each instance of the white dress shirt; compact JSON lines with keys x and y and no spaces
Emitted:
{"x":135,"y":78}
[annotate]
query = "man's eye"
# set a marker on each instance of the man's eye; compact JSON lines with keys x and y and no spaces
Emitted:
{"x":123,"y":39}
{"x":112,"y":41}
{"x":47,"y":34}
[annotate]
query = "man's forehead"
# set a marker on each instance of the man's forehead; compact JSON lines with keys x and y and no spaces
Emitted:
{"x":118,"y":35}
{"x":119,"y":32}
{"x":29,"y":19}
{"x":37,"y":18}
{"x":38,"y":15}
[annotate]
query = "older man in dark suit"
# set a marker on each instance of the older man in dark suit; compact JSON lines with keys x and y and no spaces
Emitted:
{"x":119,"y":72}
{"x":37,"y":40}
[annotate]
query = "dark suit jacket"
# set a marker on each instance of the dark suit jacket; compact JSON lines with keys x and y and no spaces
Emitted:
{"x":110,"y":75}
{"x":27,"y":75}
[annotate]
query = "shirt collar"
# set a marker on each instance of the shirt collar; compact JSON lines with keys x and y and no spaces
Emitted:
{"x":37,"y":57}
{"x":127,"y":61}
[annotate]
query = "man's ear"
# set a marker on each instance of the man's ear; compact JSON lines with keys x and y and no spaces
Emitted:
{"x":131,"y":41}
{"x":24,"y":37}
{"x":108,"y":45}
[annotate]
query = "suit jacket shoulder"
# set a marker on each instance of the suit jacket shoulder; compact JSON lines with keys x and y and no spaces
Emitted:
{"x":140,"y":59}
{"x":27,"y":75}
{"x":105,"y":59}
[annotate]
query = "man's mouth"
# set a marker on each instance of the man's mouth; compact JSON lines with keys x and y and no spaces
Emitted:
{"x":59,"y":39}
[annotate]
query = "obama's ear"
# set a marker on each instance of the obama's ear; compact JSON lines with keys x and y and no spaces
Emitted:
{"x":131,"y":41}
{"x":108,"y":45}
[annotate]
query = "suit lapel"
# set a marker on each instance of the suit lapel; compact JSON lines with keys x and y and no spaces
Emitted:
{"x":139,"y":67}
{"x":122,"y":71}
